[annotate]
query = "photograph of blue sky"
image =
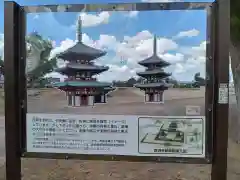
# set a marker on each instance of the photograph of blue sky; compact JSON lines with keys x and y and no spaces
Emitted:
{"x":127,"y":37}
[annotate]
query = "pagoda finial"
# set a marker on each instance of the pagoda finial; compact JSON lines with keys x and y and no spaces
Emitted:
{"x":155,"y":45}
{"x":79,"y":29}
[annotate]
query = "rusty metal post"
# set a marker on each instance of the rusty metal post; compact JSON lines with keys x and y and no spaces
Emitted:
{"x":219,"y":165}
{"x":12,"y":58}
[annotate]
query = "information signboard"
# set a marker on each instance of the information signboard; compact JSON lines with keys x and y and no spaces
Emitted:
{"x":116,"y":135}
{"x":147,"y":137}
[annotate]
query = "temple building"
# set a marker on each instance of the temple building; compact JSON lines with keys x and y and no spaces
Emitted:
{"x":154,"y":82}
{"x":81,"y":88}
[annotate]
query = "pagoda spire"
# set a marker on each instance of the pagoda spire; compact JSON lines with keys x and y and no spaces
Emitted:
{"x":79,"y":29}
{"x":155,"y":45}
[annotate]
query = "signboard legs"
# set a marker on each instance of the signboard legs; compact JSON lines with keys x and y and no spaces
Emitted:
{"x":220,"y":129}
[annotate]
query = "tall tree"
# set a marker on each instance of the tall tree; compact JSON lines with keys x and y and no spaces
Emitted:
{"x":199,"y":79}
{"x":39,"y":52}
{"x":235,"y":53}
{"x":130,"y":82}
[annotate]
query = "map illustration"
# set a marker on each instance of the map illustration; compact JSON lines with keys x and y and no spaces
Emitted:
{"x":176,"y":135}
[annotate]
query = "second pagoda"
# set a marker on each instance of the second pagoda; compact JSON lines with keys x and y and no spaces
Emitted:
{"x":154,"y":82}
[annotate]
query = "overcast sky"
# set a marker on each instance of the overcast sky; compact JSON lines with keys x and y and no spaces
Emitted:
{"x":127,"y":37}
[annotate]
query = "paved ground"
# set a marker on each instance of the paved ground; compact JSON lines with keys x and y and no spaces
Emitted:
{"x":123,"y":101}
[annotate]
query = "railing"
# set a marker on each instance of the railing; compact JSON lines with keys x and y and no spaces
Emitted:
{"x":152,"y":81}
{"x":79,"y":79}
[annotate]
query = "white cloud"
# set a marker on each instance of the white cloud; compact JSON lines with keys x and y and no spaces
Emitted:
{"x":130,"y":50}
{"x":67,"y":43}
{"x":90,"y":20}
{"x":36,"y":16}
{"x":140,"y":36}
{"x":132,"y":14}
{"x":117,"y":73}
{"x":173,"y":58}
{"x":195,"y":51}
{"x":106,"y":42}
{"x":141,"y":46}
{"x":179,"y":68}
{"x":63,"y":46}
{"x":189,"y":33}
{"x":195,"y":58}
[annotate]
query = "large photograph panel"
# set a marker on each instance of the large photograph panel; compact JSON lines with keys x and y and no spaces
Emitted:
{"x":117,"y":63}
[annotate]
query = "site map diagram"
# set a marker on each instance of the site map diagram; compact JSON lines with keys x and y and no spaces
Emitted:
{"x":171,"y":135}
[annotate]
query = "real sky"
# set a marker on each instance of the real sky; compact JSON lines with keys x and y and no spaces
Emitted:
{"x":127,"y":37}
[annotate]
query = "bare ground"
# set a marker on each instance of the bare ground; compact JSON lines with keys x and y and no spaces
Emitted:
{"x":39,"y":169}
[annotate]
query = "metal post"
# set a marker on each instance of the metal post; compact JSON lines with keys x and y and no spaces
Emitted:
{"x":12,"y":58}
{"x":219,"y":165}
{"x":22,"y":79}
{"x":210,"y":79}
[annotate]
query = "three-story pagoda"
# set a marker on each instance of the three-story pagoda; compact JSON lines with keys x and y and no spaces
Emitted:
{"x":154,"y":82}
{"x":80,"y":87}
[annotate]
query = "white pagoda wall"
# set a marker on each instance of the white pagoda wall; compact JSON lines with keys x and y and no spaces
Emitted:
{"x":157,"y":98}
{"x":103,"y":98}
{"x":146,"y":97}
{"x":73,"y":100}
{"x":90,"y":100}
{"x":77,"y":101}
{"x":70,"y":100}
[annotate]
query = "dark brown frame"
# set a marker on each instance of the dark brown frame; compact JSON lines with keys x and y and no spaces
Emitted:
{"x":15,"y":83}
{"x":14,"y":64}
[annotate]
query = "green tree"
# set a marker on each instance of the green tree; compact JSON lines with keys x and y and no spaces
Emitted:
{"x":172,"y":80}
{"x":199,"y":79}
{"x":235,"y":52}
{"x":41,"y":49}
{"x":131,"y":82}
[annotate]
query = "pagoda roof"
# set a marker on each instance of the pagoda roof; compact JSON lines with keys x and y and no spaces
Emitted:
{"x":83,"y":84}
{"x":82,"y":67}
{"x":81,"y":51}
{"x":154,"y":72}
{"x":152,"y":85}
{"x":154,"y":59}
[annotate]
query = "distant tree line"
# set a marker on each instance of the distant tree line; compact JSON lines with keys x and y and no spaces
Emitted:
{"x":197,"y":82}
{"x":199,"y":79}
{"x":129,"y":83}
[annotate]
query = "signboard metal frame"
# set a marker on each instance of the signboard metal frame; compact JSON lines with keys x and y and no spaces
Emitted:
{"x":15,"y":82}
